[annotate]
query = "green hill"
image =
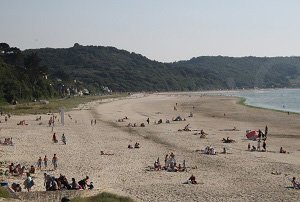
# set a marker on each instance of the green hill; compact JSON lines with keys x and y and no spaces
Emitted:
{"x":50,"y":72}
{"x":121,"y":70}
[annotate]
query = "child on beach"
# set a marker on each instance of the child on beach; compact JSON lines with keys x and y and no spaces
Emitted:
{"x":295,"y":183}
{"x":54,"y":161}
{"x":40,"y":163}
{"x":45,"y":162}
{"x":264,"y":146}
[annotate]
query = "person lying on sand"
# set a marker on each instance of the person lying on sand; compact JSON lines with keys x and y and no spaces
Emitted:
{"x":186,"y":128}
{"x":231,"y":129}
{"x":102,"y":153}
{"x":296,"y":184}
{"x":191,"y":180}
{"x":130,"y":146}
{"x":282,"y":151}
{"x":22,"y":123}
{"x":228,"y":140}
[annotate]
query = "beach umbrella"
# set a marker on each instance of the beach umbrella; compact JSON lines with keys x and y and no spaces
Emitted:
{"x":252,"y":135}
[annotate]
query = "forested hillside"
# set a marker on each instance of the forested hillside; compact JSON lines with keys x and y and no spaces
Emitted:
{"x":49,"y":72}
{"x":121,"y":70}
{"x":22,"y":77}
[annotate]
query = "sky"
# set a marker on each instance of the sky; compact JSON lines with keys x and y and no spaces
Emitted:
{"x":162,"y":30}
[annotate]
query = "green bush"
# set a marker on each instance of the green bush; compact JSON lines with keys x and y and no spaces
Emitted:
{"x":4,"y":193}
{"x":103,"y":197}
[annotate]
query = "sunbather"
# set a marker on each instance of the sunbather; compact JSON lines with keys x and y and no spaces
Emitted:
{"x":137,"y":145}
{"x":192,"y":180}
{"x":295,"y":183}
{"x":282,"y":150}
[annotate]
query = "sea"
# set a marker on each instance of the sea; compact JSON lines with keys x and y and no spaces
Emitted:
{"x":278,"y":99}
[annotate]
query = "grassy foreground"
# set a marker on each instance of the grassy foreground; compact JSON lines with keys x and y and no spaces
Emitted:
{"x":103,"y":197}
{"x":54,"y":104}
{"x":4,"y":193}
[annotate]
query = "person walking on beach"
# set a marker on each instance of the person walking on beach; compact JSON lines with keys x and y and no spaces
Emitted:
{"x":92,"y":122}
{"x":258,"y":145}
{"x":95,"y":122}
{"x":54,"y":161}
{"x":264,"y":146}
{"x":148,"y":120}
{"x":54,"y":139}
{"x":249,"y":147}
{"x":28,"y":183}
{"x":45,"y":162}
{"x":40,"y":163}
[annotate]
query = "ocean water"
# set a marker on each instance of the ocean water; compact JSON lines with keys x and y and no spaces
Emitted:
{"x":279,"y":99}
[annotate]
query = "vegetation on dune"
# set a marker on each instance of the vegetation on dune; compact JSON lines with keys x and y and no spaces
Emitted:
{"x":54,"y":104}
{"x":103,"y":197}
{"x":4,"y":193}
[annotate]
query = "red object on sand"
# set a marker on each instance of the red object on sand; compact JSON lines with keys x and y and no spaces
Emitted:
{"x":252,"y":135}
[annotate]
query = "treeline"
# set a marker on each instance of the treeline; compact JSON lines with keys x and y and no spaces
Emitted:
{"x":121,"y":70}
{"x":49,"y":72}
{"x":22,"y":77}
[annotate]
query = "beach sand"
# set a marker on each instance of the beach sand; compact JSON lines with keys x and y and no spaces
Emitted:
{"x":240,"y":175}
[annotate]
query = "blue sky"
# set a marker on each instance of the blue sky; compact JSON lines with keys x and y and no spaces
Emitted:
{"x":164,"y":30}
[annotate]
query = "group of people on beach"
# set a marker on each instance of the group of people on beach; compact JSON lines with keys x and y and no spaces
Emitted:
{"x":16,"y":170}
{"x":7,"y":141}
{"x":253,"y":148}
{"x":136,"y":146}
{"x":63,"y":138}
{"x":170,"y":164}
{"x":260,"y":137}
{"x":52,"y":183}
{"x":45,"y":161}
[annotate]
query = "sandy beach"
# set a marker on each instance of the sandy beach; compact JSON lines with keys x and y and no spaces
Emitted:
{"x":239,"y":175}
